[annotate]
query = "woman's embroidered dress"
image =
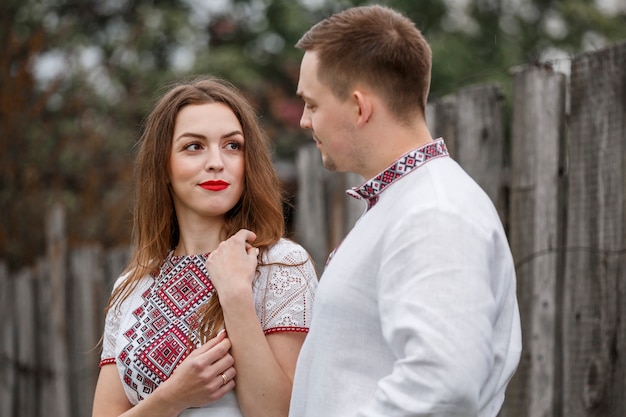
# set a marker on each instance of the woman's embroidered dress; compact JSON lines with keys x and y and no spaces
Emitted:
{"x":152,"y":331}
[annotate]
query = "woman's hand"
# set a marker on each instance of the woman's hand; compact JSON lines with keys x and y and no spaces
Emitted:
{"x":197,"y":381}
{"x":233,"y":264}
{"x":203,"y":377}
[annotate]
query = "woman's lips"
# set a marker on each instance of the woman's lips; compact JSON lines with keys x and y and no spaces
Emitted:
{"x":217,"y":185}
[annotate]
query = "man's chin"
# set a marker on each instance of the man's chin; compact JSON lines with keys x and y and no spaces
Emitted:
{"x":329,"y":165}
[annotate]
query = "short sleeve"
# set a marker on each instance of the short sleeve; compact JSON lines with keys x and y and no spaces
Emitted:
{"x":111,"y":331}
{"x":285,"y":290}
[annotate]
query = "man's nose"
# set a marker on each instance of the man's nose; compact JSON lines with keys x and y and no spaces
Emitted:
{"x":305,"y":120}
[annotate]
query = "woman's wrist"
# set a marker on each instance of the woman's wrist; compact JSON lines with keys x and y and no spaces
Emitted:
{"x":237,"y":294}
{"x":164,"y":402}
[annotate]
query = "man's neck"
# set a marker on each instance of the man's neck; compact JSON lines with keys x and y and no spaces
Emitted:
{"x":387,"y":145}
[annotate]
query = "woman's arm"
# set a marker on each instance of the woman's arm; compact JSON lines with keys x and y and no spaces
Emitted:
{"x":109,"y":399}
{"x":196,"y":382}
{"x":265,"y":364}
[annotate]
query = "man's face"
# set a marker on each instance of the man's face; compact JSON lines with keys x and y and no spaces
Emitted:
{"x":330,"y":120}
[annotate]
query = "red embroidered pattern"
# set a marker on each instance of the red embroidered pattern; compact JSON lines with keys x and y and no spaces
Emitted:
{"x":107,"y":361}
{"x":286,"y":329}
{"x":370,"y":191}
{"x":159,"y":339}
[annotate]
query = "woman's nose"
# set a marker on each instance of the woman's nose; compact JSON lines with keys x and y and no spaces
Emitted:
{"x":214,"y":161}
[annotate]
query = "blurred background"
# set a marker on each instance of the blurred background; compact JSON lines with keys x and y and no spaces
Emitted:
{"x":530,"y":96}
{"x":77,"y":78}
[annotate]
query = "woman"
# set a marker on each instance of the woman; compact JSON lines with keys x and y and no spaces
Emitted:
{"x":208,"y":222}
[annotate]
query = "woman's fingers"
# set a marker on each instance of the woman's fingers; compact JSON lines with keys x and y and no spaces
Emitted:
{"x":226,"y":379}
{"x":233,"y":264}
{"x":211,"y":343}
{"x":216,"y":356}
{"x":245,"y":235}
{"x":198,"y":380}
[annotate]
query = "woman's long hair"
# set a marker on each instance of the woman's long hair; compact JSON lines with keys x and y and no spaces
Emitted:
{"x":155,"y":227}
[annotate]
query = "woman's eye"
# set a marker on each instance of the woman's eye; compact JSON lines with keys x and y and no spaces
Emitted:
{"x":193,"y":147}
{"x":233,"y":146}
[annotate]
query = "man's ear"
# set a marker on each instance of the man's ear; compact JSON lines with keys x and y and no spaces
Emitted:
{"x":364,"y":107}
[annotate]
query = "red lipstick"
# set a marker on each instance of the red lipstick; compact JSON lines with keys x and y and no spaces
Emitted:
{"x":215,"y":185}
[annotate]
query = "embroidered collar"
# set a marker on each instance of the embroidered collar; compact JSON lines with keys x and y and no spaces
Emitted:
{"x":407,"y":163}
{"x":171,"y":258}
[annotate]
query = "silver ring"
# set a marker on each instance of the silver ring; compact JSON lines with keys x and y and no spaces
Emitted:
{"x":223,"y":378}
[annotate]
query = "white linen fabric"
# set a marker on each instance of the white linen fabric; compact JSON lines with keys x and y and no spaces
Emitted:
{"x":147,"y":335}
{"x":416,"y":312}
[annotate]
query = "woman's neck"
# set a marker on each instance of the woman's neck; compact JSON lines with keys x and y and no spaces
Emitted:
{"x":199,"y":239}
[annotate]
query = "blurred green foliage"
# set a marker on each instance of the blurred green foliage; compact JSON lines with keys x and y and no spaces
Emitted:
{"x":78,"y":76}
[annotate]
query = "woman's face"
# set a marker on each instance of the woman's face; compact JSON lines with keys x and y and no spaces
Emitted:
{"x":206,"y":165}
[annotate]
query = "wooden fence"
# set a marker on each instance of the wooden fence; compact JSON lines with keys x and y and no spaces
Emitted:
{"x":52,"y":320}
{"x":558,"y":181}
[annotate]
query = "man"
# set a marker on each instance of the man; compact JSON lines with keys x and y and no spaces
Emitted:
{"x":416,"y":312}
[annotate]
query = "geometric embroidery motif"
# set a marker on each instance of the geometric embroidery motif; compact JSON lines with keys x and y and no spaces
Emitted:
{"x":165,"y":353}
{"x":166,"y":322}
{"x":409,"y":162}
{"x":183,"y":289}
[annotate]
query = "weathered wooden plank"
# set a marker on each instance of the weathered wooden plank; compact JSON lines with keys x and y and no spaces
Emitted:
{"x":87,"y":284}
{"x":8,"y":353}
{"x":594,"y":317}
{"x":47,"y":397}
{"x":441,"y":117}
{"x":471,"y":123}
{"x":536,"y":234}
{"x":311,"y":215}
{"x":57,"y":258}
{"x":480,"y":140}
{"x":26,"y":322}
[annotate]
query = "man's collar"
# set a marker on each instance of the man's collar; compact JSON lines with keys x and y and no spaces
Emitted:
{"x":407,"y":163}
